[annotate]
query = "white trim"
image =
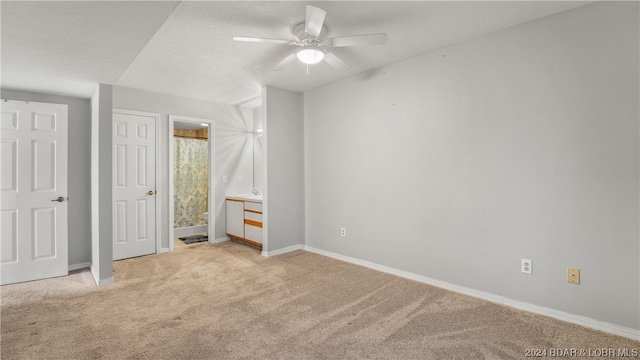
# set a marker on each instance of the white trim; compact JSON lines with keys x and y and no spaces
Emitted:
{"x":630,"y":333}
{"x":79,"y":266}
{"x":575,"y":319}
{"x":106,"y":281}
{"x":190,"y":230}
{"x":170,"y":177}
{"x":211,"y":225}
{"x":283,"y":250}
{"x":159,"y":197}
{"x":211,"y":208}
{"x":265,"y":175}
{"x":95,"y":274}
{"x":96,"y":277}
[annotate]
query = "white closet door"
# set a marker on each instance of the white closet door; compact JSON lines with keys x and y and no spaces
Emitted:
{"x":33,"y":216}
{"x":134,"y":179}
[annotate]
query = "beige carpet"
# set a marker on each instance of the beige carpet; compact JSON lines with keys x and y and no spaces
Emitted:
{"x":225,"y":301}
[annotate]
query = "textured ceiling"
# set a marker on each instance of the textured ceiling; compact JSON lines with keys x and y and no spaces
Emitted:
{"x":186,"y":48}
{"x":68,"y":48}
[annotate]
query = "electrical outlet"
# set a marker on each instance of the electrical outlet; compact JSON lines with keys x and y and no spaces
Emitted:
{"x":224,"y":178}
{"x":526,"y":266}
{"x":239,"y":178}
{"x":343,"y":232}
{"x":573,"y":276}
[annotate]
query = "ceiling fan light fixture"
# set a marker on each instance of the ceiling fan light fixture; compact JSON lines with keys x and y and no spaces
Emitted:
{"x":313,"y":44}
{"x":310,"y":56}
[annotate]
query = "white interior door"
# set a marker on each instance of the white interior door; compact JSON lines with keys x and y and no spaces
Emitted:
{"x":134,"y":179}
{"x":34,"y":191}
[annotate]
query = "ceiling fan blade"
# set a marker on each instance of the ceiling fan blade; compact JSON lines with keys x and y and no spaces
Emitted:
{"x":264,"y":40}
{"x":358,"y":40}
{"x":336,"y":62}
{"x":315,"y":20}
{"x":286,"y":61}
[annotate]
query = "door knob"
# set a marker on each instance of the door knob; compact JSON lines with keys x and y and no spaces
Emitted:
{"x":59,"y":199}
{"x":150,"y":192}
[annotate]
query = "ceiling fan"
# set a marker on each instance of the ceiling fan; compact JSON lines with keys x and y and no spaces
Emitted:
{"x":311,"y":38}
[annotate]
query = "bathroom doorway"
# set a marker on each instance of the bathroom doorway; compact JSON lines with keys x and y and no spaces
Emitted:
{"x":191,"y":174}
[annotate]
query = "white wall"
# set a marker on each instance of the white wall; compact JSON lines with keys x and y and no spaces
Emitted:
{"x":283,"y":152}
{"x":456,"y":164}
{"x":233,"y":148}
{"x":258,"y":141}
{"x":79,"y":166}
{"x":102,"y":185}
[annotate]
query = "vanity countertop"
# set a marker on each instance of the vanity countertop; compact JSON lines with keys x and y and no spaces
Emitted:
{"x":246,"y":197}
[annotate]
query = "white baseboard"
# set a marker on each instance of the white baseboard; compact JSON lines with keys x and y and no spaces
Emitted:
{"x":79,"y":266}
{"x":96,"y":277}
{"x":107,"y":281}
{"x":282,"y":251}
{"x":630,"y":333}
{"x":190,"y":230}
{"x":575,"y":319}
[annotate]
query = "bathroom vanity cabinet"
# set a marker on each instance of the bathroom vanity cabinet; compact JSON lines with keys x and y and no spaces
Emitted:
{"x":244,"y":220}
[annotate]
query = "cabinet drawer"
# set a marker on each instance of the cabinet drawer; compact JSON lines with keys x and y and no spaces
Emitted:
{"x":253,"y":233}
{"x":253,"y":206}
{"x":248,"y":215}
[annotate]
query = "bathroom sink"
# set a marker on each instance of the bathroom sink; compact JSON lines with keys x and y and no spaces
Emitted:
{"x":246,"y":197}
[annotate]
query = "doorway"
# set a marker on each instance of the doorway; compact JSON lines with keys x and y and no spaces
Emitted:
{"x":191,"y":178}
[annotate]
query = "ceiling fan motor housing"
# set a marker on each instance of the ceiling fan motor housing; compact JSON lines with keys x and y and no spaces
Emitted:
{"x":300,"y":35}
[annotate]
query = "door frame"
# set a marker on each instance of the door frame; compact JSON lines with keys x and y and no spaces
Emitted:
{"x":211,"y":224}
{"x":159,"y":196}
